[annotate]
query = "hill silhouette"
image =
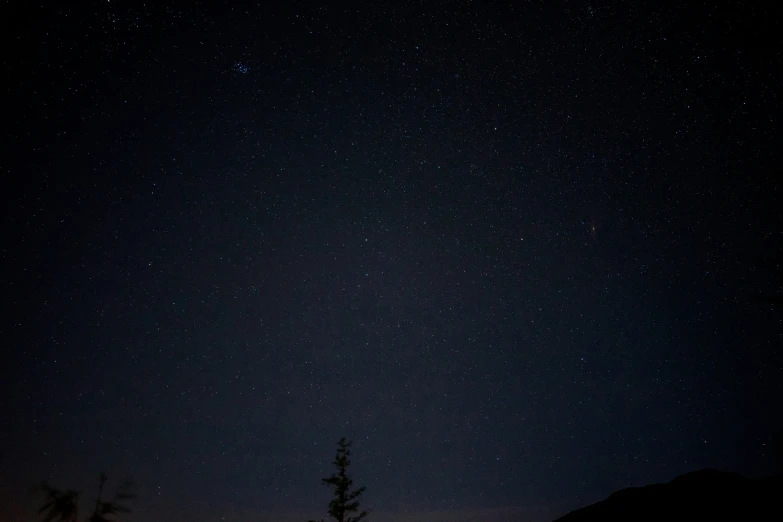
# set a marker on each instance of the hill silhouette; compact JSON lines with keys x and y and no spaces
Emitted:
{"x":700,"y":495}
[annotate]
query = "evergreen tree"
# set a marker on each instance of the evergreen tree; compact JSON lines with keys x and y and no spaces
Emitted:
{"x":106,"y":510}
{"x":60,"y":506}
{"x":63,"y":506}
{"x":345,"y":501}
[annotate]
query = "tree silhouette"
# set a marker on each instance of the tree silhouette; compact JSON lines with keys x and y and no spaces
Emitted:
{"x":345,"y":501}
{"x":105,"y":509}
{"x":63,"y":505}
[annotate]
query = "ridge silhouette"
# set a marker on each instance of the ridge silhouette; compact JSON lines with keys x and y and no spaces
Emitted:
{"x":706,"y":494}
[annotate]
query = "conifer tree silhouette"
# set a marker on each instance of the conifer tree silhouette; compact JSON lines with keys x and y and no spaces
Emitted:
{"x":60,"y":505}
{"x":345,"y":501}
{"x":105,"y":510}
{"x":63,"y":505}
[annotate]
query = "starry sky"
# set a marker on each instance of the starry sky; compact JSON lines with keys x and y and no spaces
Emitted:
{"x":523,"y":254}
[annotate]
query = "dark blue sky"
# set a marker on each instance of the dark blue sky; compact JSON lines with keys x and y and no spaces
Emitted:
{"x":513,"y":252}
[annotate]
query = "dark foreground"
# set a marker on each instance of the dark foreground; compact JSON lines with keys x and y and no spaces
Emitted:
{"x":701,"y":495}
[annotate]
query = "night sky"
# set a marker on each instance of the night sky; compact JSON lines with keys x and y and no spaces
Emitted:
{"x":523,"y":254}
